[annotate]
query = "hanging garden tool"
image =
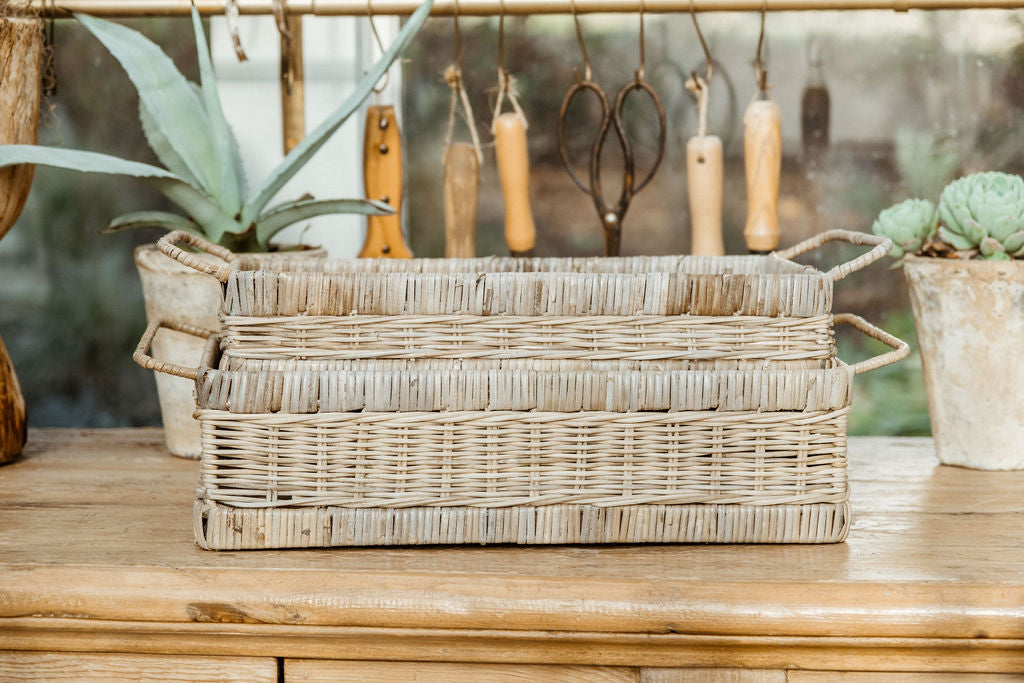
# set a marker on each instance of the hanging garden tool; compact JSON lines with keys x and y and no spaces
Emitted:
{"x":461,"y":164}
{"x":704,"y":166}
{"x":513,"y":157}
{"x":611,"y":117}
{"x":762,"y":152}
{"x":21,"y":76}
{"x":815,"y":106}
{"x":382,"y":171}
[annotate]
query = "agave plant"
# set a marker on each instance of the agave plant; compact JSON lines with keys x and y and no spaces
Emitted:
{"x":185,"y":126}
{"x":908,"y":224}
{"x":984,"y":211}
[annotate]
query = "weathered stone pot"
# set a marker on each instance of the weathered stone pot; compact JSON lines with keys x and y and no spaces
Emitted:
{"x":970,"y":324}
{"x":177,"y":294}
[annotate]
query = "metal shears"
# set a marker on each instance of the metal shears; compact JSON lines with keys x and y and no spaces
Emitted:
{"x":611,"y":215}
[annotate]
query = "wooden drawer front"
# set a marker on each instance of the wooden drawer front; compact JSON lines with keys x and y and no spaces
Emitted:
{"x":316,"y":671}
{"x":896,"y":677}
{"x":72,"y":666}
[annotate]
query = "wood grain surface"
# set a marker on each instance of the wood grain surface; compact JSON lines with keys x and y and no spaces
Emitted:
{"x":96,"y":553}
{"x":111,"y":668}
{"x":312,"y":671}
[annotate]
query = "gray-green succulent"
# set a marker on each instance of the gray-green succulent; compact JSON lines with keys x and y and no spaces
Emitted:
{"x":908,"y":224}
{"x":984,"y":211}
{"x":186,"y":128}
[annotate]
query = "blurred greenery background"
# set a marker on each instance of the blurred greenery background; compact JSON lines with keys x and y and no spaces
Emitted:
{"x":916,"y":100}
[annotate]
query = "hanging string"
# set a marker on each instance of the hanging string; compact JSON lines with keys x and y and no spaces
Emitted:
{"x":506,"y":82}
{"x":639,"y":74}
{"x":453,"y":76}
{"x":698,"y":85}
{"x":49,"y":64}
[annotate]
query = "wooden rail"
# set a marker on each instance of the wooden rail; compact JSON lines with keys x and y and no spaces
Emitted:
{"x":130,"y":8}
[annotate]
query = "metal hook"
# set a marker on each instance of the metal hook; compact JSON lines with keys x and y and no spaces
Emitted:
{"x":703,"y":46}
{"x":583,"y":46}
{"x":639,"y":74}
{"x":760,"y":73}
{"x":383,"y":83}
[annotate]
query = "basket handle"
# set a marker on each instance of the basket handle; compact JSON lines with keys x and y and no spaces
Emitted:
{"x":900,"y":348}
{"x":882,"y":246}
{"x":142,"y":357}
{"x":168,"y":245}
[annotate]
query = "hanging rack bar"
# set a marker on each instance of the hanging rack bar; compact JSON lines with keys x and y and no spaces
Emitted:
{"x":135,"y":8}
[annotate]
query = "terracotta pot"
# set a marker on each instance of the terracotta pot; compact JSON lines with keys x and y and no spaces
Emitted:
{"x":970,"y":325}
{"x":177,"y":294}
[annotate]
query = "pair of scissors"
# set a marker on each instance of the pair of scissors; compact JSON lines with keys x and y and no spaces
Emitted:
{"x":611,"y":118}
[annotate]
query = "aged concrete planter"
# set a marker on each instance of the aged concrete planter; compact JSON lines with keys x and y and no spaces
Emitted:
{"x":177,"y":294}
{"x":970,"y":325}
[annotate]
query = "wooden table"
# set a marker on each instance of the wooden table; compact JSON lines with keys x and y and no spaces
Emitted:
{"x":96,"y":556}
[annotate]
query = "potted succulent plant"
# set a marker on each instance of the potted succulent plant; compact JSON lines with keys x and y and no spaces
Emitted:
{"x":964,"y":264}
{"x":186,"y":128}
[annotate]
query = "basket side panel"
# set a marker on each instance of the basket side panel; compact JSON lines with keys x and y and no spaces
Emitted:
{"x":224,"y":528}
{"x":506,"y":458}
{"x":269,"y":294}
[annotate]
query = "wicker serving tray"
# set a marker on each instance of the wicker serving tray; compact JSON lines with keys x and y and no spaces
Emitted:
{"x":317,"y":453}
{"x":634,"y":308}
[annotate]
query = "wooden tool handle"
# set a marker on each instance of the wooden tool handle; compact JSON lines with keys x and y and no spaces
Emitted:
{"x":13,"y":421}
{"x":461,"y":186}
{"x":382,"y":177}
{"x":514,"y":168}
{"x":762,"y":147}
{"x":704,"y":184}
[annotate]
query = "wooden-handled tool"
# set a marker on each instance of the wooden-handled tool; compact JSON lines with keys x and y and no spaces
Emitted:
{"x":762,"y":149}
{"x":13,"y":423}
{"x":382,"y":178}
{"x":514,"y":168}
{"x":461,"y":185}
{"x":704,"y":184}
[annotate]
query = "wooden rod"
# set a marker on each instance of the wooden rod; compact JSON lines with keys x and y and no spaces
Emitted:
{"x":130,"y":8}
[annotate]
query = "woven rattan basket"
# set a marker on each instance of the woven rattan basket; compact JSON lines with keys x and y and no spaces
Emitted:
{"x":395,"y":452}
{"x":758,"y":308}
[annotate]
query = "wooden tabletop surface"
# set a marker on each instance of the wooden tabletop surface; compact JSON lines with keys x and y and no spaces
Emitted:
{"x":96,"y":541}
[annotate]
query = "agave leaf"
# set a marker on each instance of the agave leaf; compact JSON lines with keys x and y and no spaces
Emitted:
{"x":309,"y":145}
{"x":283,"y":215}
{"x":177,"y":112}
{"x":194,"y":201}
{"x":162,"y":147}
{"x":224,"y":145}
{"x":152,"y":219}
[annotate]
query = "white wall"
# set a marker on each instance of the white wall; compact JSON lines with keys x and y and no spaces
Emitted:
{"x":337,"y":50}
